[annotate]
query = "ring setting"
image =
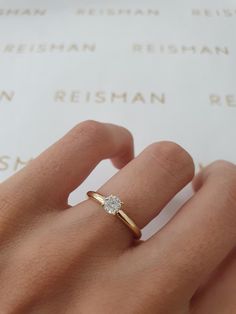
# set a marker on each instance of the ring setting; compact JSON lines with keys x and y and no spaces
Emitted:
{"x":113,"y":206}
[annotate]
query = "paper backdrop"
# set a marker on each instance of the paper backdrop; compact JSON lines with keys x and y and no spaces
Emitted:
{"x":163,"y":69}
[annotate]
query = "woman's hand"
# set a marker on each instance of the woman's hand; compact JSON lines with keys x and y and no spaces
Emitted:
{"x":58,"y":259}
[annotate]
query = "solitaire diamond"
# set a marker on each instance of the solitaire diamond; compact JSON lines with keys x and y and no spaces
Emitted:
{"x":112,"y":204}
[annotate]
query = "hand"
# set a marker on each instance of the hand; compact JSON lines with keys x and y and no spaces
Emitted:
{"x":58,"y":259}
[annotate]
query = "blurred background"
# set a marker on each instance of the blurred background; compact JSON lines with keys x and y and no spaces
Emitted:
{"x":164,"y":69}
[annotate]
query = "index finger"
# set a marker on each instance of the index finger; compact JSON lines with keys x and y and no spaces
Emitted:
{"x":49,"y":179}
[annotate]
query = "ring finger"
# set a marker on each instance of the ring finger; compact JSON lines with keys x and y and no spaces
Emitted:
{"x":145,"y":185}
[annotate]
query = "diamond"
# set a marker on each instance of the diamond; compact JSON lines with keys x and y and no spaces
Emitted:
{"x":112,"y":204}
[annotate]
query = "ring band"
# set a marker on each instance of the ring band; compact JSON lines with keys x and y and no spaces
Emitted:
{"x":112,"y":205}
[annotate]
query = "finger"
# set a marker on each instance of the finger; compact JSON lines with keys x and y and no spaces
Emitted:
{"x":205,"y":172}
{"x":49,"y":179}
{"x":145,"y":185}
{"x":217,"y":295}
{"x":201,"y":235}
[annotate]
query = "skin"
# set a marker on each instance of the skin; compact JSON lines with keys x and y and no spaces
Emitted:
{"x":57,"y":258}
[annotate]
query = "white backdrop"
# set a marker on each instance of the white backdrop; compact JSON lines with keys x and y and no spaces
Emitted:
{"x":164,"y":69}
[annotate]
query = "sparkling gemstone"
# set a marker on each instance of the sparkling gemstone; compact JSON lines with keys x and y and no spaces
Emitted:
{"x":112,"y":204}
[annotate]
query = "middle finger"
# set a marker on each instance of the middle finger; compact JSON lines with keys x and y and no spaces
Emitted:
{"x":200,"y":236}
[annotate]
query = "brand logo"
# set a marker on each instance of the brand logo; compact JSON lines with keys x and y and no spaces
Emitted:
{"x":152,"y":48}
{"x":117,"y":12}
{"x":47,"y":48}
{"x":12,"y":163}
{"x":214,"y":13}
{"x":23,"y":12}
{"x":6,"y":96}
{"x":223,"y":100}
{"x":109,"y":97}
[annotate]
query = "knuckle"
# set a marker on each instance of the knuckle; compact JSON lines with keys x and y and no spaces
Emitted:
{"x":173,"y":158}
{"x":89,"y":131}
{"x":89,"y":128}
{"x":223,"y":174}
{"x":222,"y":166}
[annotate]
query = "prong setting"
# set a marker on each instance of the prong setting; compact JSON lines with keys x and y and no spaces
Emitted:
{"x":112,"y":204}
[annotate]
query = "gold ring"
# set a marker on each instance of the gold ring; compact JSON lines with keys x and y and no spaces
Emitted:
{"x":112,"y":205}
